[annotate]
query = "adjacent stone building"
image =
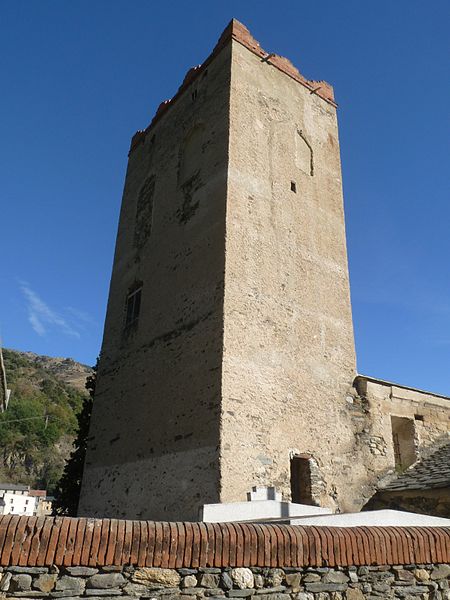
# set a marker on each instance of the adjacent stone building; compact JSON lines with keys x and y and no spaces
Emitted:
{"x":424,"y":487}
{"x":228,"y":357}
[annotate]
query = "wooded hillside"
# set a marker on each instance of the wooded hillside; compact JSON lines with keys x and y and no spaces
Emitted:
{"x":37,"y":430}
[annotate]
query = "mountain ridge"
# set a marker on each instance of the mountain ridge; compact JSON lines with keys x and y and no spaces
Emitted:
{"x":39,"y":426}
{"x":66,"y":369}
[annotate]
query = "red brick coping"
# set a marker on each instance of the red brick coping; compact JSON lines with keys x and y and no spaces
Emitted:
{"x":64,"y":541}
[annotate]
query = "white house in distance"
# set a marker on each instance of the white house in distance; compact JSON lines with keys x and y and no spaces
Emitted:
{"x":20,"y":500}
{"x":14,"y":499}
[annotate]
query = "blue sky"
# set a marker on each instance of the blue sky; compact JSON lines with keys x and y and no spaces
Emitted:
{"x":79,"y":78}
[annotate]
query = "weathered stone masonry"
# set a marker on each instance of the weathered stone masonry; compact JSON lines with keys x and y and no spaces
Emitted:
{"x":241,"y":363}
{"x":81,"y":558}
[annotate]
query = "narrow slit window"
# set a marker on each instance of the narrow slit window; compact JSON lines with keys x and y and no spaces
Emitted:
{"x":133,"y":307}
{"x":293,"y":187}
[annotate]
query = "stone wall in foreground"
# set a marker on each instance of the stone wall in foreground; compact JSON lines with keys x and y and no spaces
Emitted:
{"x":424,"y":582}
{"x":101,"y":558}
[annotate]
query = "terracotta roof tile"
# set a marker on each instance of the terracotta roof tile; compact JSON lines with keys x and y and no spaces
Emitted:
{"x":32,"y":541}
{"x":428,"y":473}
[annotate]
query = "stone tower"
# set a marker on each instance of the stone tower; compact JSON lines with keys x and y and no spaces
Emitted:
{"x":228,"y":348}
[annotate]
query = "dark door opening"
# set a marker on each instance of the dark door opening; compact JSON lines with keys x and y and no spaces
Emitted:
{"x":301,"y":491}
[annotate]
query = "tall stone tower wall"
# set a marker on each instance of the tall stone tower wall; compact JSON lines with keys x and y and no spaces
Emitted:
{"x":154,"y":439}
{"x":228,"y":357}
{"x":289,"y":356}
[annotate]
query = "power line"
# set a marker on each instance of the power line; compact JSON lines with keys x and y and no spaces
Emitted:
{"x":30,"y":419}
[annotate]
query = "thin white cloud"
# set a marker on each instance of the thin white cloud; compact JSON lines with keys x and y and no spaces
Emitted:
{"x":42,"y":317}
{"x":80,"y":316}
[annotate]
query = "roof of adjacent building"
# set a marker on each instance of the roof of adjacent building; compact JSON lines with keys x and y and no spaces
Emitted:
{"x":428,"y":473}
{"x":362,"y":378}
{"x":38,"y":493}
{"x":14,"y":487}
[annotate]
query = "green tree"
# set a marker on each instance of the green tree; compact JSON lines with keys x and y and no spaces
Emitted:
{"x":67,"y":493}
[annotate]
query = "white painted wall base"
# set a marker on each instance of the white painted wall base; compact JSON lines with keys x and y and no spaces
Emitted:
{"x":380,"y":518}
{"x":259,"y":510}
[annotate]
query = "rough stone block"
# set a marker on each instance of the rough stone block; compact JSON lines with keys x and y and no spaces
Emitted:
{"x":276,"y":596}
{"x":335,"y":596}
{"x":75,"y":585}
{"x":226,"y":582}
{"x":275,"y":577}
{"x":103,"y":592}
{"x":335,"y":577}
{"x":45,"y":582}
{"x":5,"y":579}
{"x":404,"y":575}
{"x":70,"y":597}
{"x":208,"y":580}
{"x":325,"y":587}
{"x":354,"y":594}
{"x":213,"y":570}
{"x":154,"y":577}
{"x":107,"y":598}
{"x":20,"y":583}
{"x":30,"y":593}
{"x":353,"y":576}
{"x":406,"y":591}
{"x":137,"y":589}
{"x":83,"y":571}
{"x":189,"y":581}
{"x":311,"y":578}
{"x":242,"y":578}
{"x":112,"y":568}
{"x":106,"y":581}
{"x":193,"y":591}
{"x":440,"y":572}
{"x":28,"y":570}
{"x":293,"y":581}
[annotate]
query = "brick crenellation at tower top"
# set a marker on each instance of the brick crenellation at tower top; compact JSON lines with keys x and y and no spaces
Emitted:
{"x":238,"y":32}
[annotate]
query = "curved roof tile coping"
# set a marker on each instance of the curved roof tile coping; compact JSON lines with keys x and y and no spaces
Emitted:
{"x":64,"y":541}
{"x":238,"y":32}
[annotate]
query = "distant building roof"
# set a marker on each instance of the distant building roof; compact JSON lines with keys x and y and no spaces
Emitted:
{"x":14,"y":487}
{"x":428,"y":473}
{"x":39,"y":493}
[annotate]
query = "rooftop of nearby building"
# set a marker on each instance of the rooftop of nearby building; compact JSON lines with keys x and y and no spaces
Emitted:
{"x":38,"y":493}
{"x":364,"y":378}
{"x":431,"y":472}
{"x":14,"y":487}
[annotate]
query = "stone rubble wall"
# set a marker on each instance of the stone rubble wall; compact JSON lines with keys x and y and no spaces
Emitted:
{"x":414,"y":582}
